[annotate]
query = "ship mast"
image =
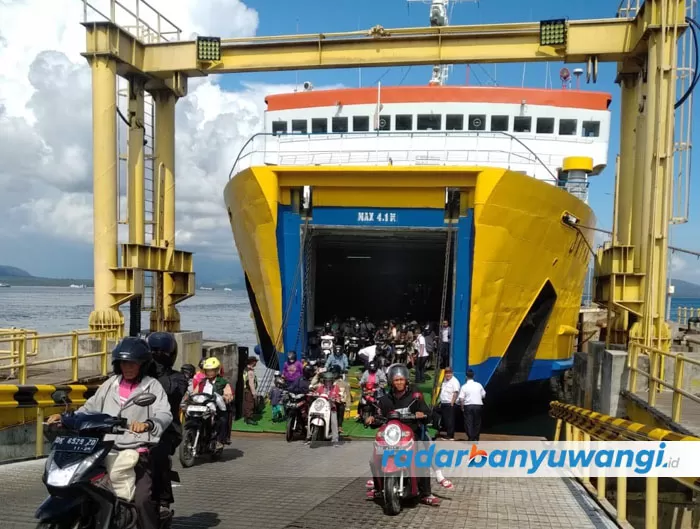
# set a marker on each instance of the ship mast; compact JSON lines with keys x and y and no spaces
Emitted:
{"x":439,"y":16}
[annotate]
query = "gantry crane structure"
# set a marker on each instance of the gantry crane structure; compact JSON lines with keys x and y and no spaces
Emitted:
{"x":632,"y":271}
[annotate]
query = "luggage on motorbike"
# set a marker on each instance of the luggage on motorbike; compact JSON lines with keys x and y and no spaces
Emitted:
{"x":120,"y":466}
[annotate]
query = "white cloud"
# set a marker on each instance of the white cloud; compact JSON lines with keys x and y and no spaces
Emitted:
{"x":45,"y":123}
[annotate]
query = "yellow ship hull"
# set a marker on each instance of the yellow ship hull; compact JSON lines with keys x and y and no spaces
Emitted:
{"x":516,"y":278}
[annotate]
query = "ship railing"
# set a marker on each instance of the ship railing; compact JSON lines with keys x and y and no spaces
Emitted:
{"x":142,"y":20}
{"x":580,"y":425}
{"x":391,"y":147}
{"x":22,"y":350}
{"x":685,"y":313}
{"x":659,"y":364}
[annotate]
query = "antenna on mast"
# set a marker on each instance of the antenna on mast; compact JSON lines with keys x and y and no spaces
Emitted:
{"x":439,"y":17}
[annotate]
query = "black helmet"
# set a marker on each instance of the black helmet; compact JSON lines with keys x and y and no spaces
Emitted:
{"x":426,"y":328}
{"x":338,"y":349}
{"x":292,"y":356}
{"x":164,"y":348}
{"x":132,"y":349}
{"x":372,"y":367}
{"x":327,"y":325}
{"x":309,"y":371}
{"x":187,"y":370}
{"x":335,"y":369}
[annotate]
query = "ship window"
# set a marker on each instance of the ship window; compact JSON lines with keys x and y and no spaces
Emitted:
{"x":477,"y":122}
{"x":404,"y":122}
{"x":360,"y":123}
{"x":591,"y":129}
{"x":340,"y":124}
{"x":567,"y":127}
{"x":319,"y":125}
{"x":300,"y":125}
{"x":522,"y":124}
{"x":500,"y":123}
{"x":384,"y":123}
{"x":429,"y":121}
{"x":454,"y":122}
{"x":545,"y":125}
{"x":279,"y":127}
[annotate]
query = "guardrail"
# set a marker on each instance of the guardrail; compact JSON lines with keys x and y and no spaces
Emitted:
{"x":586,"y":425}
{"x":23,"y":404}
{"x":685,"y":313}
{"x":655,"y":375}
{"x":24,"y":350}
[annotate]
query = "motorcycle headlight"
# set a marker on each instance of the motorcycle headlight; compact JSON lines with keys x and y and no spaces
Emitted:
{"x":63,"y":477}
{"x":392,"y":435}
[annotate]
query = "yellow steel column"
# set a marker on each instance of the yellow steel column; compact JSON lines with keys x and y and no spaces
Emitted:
{"x":165,"y":154}
{"x":105,"y":196}
{"x":627,"y":173}
{"x":136,"y":203}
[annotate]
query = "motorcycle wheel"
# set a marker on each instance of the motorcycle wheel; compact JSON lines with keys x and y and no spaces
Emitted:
{"x":392,"y":501}
{"x":315,"y":434}
{"x":186,"y":456}
{"x":291,"y":424}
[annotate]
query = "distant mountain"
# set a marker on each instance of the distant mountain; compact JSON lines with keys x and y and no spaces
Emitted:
{"x":14,"y":276}
{"x":685,"y":289}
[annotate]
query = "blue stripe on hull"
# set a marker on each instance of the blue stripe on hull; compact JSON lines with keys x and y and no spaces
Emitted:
{"x":541,"y":369}
{"x":461,"y":297}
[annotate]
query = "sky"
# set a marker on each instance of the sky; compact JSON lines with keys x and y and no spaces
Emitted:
{"x":45,"y":117}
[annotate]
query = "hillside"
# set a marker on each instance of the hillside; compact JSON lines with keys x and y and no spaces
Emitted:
{"x":684,"y":289}
{"x":17,"y":277}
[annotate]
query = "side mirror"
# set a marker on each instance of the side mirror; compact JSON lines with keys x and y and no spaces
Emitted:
{"x":417,"y":395}
{"x":145,"y":399}
{"x":60,"y":396}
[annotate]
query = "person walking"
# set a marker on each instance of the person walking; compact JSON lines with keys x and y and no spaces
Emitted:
{"x":449,"y":391}
{"x":250,"y":391}
{"x":421,"y":356}
{"x":471,"y":396}
{"x":444,"y":350}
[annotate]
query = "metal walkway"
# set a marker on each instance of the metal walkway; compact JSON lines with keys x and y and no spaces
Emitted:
{"x":268,"y":483}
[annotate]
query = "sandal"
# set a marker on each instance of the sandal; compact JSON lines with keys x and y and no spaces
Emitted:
{"x":447,"y":484}
{"x":370,"y":483}
{"x":430,"y":500}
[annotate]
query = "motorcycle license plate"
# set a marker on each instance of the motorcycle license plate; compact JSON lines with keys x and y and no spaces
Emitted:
{"x":81,"y":445}
{"x":197,"y":408}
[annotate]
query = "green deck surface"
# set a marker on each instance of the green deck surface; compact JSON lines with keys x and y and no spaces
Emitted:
{"x":351,"y":428}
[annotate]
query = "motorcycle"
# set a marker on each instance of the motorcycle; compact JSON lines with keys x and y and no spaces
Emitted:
{"x":296,"y":408}
{"x":199,"y":429}
{"x":395,"y":483}
{"x":327,"y":343}
{"x":352,"y":347}
{"x":369,"y":404}
{"x":400,"y":353}
{"x":319,"y":420}
{"x":77,"y":474}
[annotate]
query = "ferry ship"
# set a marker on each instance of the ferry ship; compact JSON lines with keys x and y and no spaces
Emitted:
{"x":353,"y":198}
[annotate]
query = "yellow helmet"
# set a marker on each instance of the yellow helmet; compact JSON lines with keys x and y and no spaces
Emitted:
{"x":211,"y":363}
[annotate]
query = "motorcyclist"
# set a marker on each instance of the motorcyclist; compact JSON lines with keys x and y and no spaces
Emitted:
{"x":131,"y":359}
{"x":345,"y":395}
{"x":302,"y":384}
{"x":214,"y":383}
{"x":331,"y":391}
{"x":338,"y":358}
{"x":400,"y":397}
{"x":293,"y":368}
{"x":174,"y":384}
{"x":372,"y":378}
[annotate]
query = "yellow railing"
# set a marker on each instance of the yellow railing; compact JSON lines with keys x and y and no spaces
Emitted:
{"x":656,"y":373}
{"x":585,"y":425}
{"x":25,"y":350}
{"x":685,"y":313}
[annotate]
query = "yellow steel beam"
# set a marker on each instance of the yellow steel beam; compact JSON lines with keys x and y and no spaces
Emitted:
{"x":609,"y":40}
{"x":156,"y":259}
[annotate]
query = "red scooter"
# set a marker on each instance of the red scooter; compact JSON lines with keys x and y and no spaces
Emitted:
{"x":396,"y":483}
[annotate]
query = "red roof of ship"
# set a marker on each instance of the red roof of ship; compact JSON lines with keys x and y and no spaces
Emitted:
{"x":441,"y":94}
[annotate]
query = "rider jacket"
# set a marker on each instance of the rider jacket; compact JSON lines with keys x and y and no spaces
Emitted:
{"x":299,"y":386}
{"x":175,"y":386}
{"x":341,"y":361}
{"x":391,"y":402}
{"x":107,"y":400}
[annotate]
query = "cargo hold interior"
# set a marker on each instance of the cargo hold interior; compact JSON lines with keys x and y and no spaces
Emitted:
{"x":379,"y":274}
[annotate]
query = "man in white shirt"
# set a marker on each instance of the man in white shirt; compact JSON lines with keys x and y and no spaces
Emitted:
{"x":449,"y":391}
{"x":444,"y":350}
{"x":471,"y":397}
{"x":421,"y":354}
